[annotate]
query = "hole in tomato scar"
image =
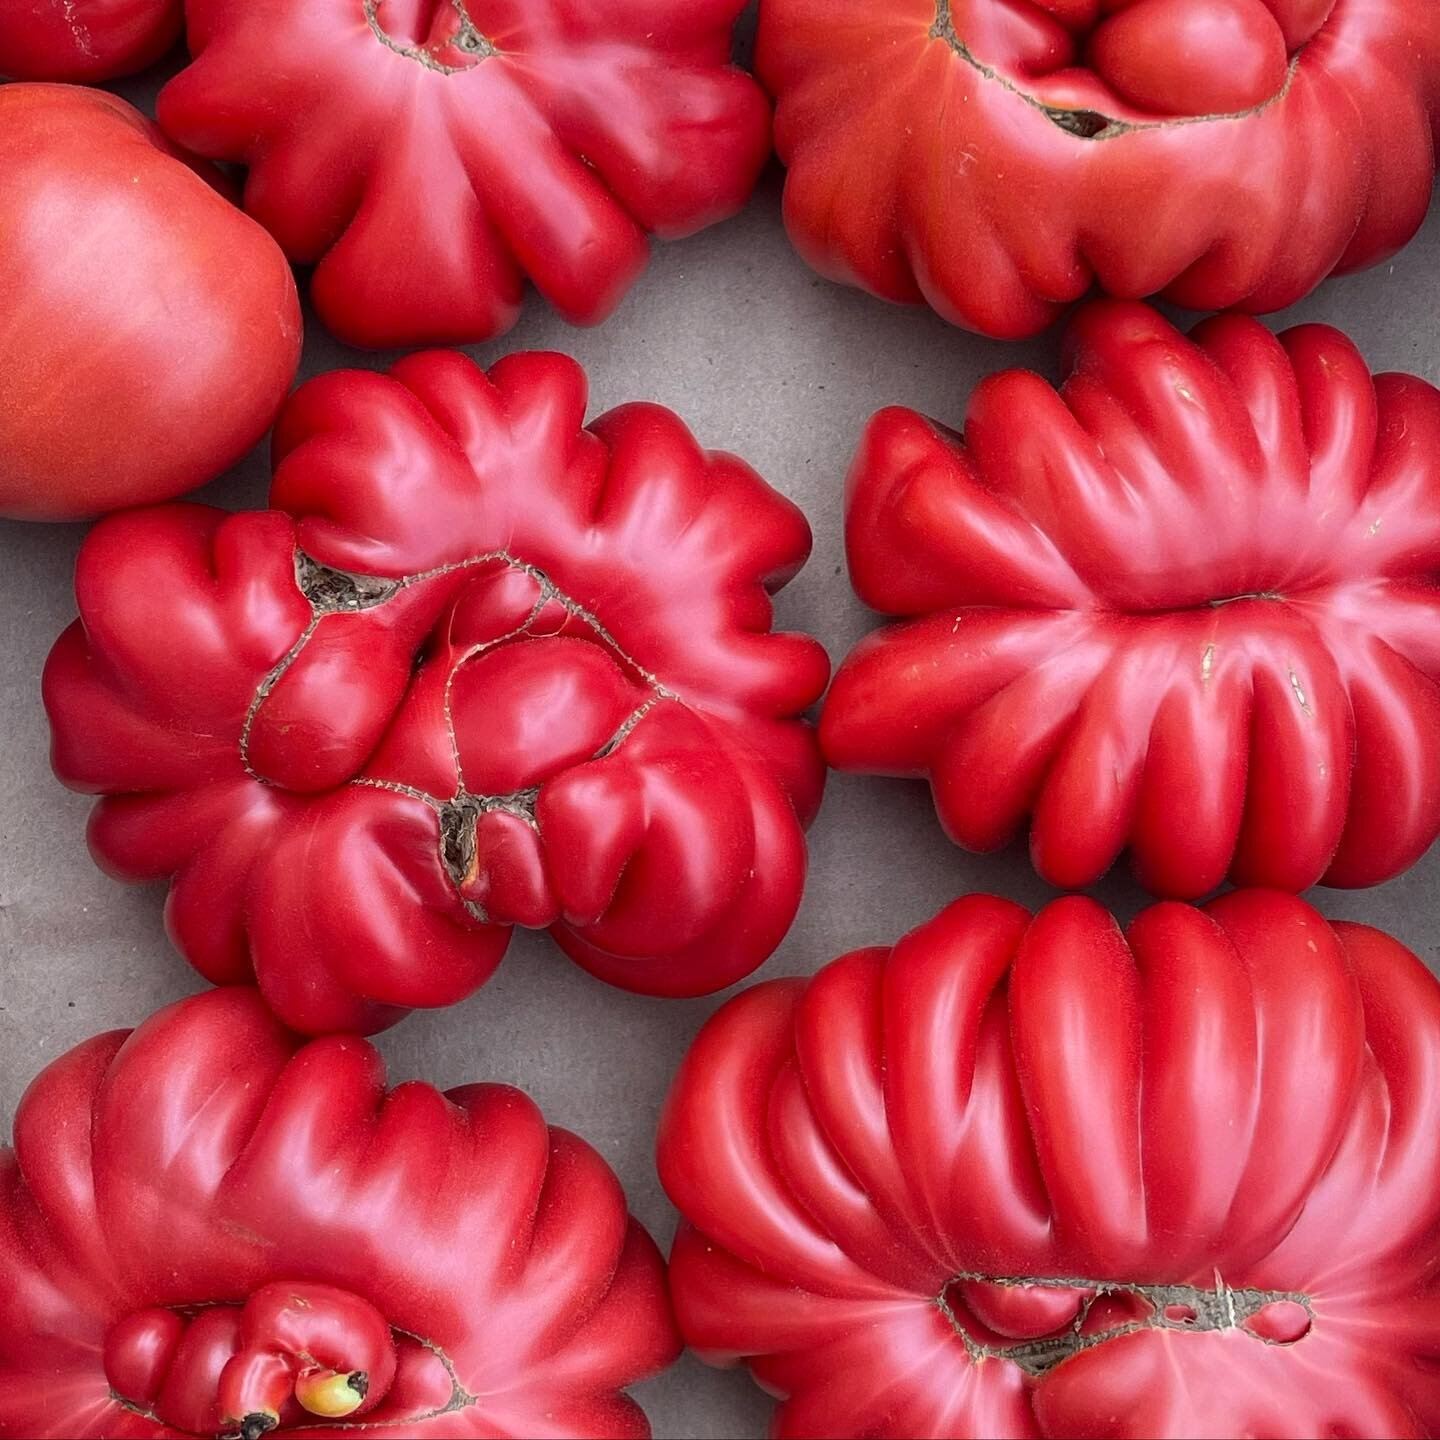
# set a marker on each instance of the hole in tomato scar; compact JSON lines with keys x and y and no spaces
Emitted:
{"x":1084,"y":124}
{"x":1180,"y":1314}
{"x":332,"y":591}
{"x":1282,"y":1322}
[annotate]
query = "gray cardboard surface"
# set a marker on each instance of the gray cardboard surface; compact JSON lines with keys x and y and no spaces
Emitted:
{"x":763,"y":358}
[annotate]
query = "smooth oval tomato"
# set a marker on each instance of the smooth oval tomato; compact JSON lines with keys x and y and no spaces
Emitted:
{"x":480,"y":665}
{"x":208,"y":1226}
{"x":85,"y":39}
{"x":999,"y":159}
{"x":1185,"y":604}
{"x":1029,"y":1176}
{"x":149,"y":330}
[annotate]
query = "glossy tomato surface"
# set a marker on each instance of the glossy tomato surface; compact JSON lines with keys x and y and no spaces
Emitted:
{"x":148,"y":329}
{"x":1186,"y":604}
{"x":86,"y":40}
{"x":432,"y":157}
{"x":1029,"y":1176}
{"x":208,"y":1223}
{"x":996,"y":159}
{"x":478,"y":667}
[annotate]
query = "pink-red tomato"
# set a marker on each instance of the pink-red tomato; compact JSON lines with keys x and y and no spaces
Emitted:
{"x":433,"y":157}
{"x":996,"y":159}
{"x":479,"y":667}
{"x":149,"y":330}
{"x":1187,"y":604}
{"x":1025,"y":1177}
{"x":208,"y":1226}
{"x":86,"y":40}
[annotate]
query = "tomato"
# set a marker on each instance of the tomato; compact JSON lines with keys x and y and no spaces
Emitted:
{"x":1029,"y":1176}
{"x":148,"y":329}
{"x":85,"y":39}
{"x":996,"y":159}
{"x":1186,"y":604}
{"x":431,"y":157}
{"x":208,"y":1226}
{"x":478,"y":667}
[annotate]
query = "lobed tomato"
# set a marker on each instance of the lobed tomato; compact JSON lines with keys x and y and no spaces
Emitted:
{"x":479,"y":667}
{"x":433,"y":157}
{"x":209,"y":1227}
{"x":996,"y":159}
{"x":1027,"y":1176}
{"x":1186,"y":605}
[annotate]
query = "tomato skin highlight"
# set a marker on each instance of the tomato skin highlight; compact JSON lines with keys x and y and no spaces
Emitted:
{"x":149,"y":330}
{"x":208,"y":1221}
{"x":1024,"y":1176}
{"x":85,"y":40}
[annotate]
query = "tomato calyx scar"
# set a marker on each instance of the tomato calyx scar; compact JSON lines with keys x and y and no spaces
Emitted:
{"x":453,"y":34}
{"x":273,"y":1376}
{"x":333,"y":592}
{"x":989,"y":1315}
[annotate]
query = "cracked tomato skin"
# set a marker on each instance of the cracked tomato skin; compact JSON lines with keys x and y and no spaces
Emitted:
{"x":478,"y":667}
{"x":1186,"y":604}
{"x":996,"y":159}
{"x":208,"y":1220}
{"x":151,"y":330}
{"x":1029,"y":1176}
{"x":85,"y":40}
{"x":431,"y":157}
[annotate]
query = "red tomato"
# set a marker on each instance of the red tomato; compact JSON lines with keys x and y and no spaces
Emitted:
{"x":997,"y":159}
{"x":1030,"y":1177}
{"x":208,"y":1226}
{"x":430,"y":157}
{"x":1186,"y":604}
{"x":479,"y":667}
{"x":148,"y":329}
{"x":85,"y":39}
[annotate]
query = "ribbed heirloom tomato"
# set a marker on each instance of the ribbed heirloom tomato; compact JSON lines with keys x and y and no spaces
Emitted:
{"x":478,"y":667}
{"x":86,"y":40}
{"x":997,"y":158}
{"x":1027,"y":1176}
{"x":1186,"y":604}
{"x":210,"y":1227}
{"x":431,"y":157}
{"x":149,"y":330}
